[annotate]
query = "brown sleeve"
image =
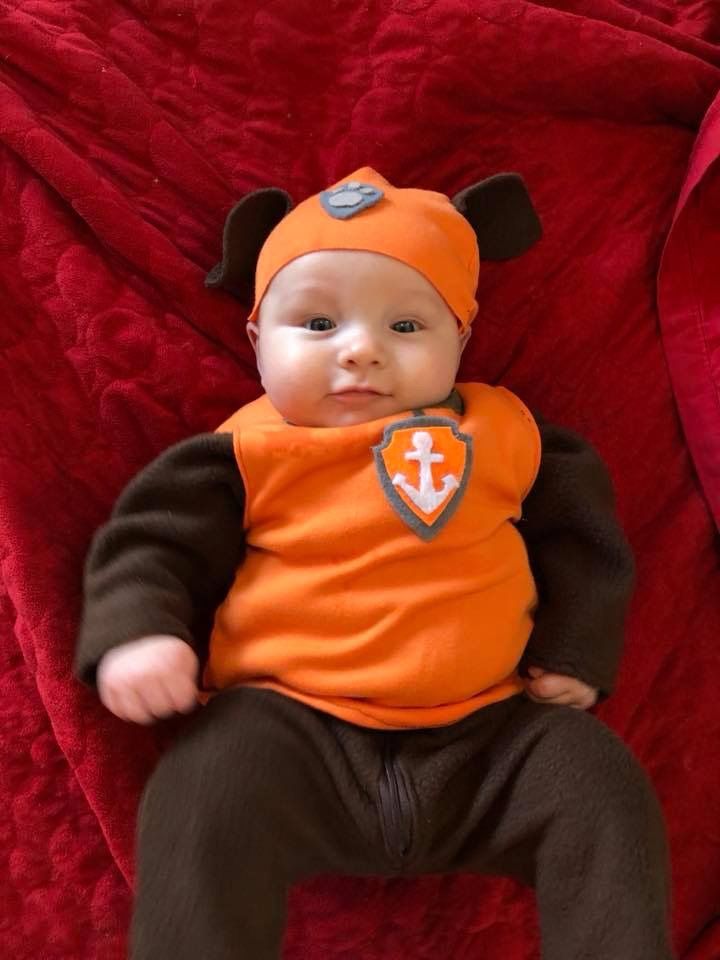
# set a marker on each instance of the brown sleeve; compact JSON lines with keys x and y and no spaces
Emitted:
{"x":167,"y":555}
{"x":582,"y":563}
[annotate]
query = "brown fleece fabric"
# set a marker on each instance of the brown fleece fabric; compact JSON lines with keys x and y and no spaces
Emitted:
{"x":263,"y":790}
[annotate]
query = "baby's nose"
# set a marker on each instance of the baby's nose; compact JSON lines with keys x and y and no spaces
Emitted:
{"x":361,"y":347}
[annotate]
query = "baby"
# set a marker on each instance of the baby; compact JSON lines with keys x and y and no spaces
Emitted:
{"x":392,"y":589}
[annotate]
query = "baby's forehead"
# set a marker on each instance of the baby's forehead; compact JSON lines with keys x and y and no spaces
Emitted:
{"x":338,"y":270}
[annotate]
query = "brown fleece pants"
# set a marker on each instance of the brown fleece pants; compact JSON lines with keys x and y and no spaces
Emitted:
{"x":262,"y":791}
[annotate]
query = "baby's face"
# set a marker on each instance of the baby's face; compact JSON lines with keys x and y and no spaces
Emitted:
{"x":347,"y":336}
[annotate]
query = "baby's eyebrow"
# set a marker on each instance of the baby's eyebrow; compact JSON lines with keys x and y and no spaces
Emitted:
{"x":410,"y":296}
{"x":418,"y":295}
{"x":311,"y":290}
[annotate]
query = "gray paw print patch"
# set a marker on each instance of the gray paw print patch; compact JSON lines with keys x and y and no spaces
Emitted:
{"x":349,"y":198}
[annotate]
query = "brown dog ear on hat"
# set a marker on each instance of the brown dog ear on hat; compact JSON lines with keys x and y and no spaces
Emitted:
{"x":501,"y":213}
{"x":247,"y":227}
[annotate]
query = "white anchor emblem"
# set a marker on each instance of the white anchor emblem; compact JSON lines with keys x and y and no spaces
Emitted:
{"x":425,"y":497}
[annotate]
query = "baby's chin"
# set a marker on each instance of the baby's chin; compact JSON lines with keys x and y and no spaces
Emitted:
{"x":337,"y":414}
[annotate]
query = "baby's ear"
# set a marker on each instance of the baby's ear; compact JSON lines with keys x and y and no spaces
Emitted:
{"x":501,"y":213}
{"x":246,"y":229}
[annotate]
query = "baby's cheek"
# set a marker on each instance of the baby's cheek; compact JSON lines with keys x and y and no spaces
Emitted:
{"x":430,"y":382}
{"x":283,"y":385}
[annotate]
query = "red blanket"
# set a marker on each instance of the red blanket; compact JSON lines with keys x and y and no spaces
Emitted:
{"x":127,"y":130}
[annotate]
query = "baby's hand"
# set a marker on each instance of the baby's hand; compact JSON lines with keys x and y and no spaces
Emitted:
{"x":545,"y":687}
{"x":149,"y":678}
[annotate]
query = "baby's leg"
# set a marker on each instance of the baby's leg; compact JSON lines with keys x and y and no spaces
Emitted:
{"x":255,"y":795}
{"x":554,"y":798}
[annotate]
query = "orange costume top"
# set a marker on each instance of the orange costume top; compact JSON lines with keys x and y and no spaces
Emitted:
{"x":384,"y":580}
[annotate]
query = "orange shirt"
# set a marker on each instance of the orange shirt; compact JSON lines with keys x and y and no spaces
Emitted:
{"x":384,"y":581}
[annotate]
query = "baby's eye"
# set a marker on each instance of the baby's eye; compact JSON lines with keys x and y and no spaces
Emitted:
{"x":405,"y":326}
{"x":319,"y":323}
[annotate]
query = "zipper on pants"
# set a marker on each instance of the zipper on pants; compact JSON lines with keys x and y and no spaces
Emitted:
{"x":395,"y":806}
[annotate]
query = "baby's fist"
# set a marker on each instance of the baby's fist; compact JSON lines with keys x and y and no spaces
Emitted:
{"x":150,"y":678}
{"x":546,"y":687}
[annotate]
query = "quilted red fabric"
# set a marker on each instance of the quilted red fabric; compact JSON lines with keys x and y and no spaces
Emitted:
{"x":127,"y":130}
{"x":689,"y":305}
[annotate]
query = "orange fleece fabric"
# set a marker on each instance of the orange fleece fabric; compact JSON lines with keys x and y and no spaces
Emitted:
{"x":342,"y":605}
{"x":421,"y":228}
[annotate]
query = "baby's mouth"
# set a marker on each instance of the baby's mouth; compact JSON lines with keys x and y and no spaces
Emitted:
{"x":356,"y":394}
{"x":358,"y":389}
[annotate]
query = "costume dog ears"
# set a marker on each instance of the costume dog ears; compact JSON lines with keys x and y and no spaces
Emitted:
{"x":501,"y":213}
{"x":498,"y":209}
{"x":247,"y":227}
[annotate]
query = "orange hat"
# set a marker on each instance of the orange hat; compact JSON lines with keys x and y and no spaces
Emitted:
{"x":364,"y":212}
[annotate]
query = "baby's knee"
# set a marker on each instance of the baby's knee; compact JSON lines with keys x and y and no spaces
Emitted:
{"x":598,"y":772}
